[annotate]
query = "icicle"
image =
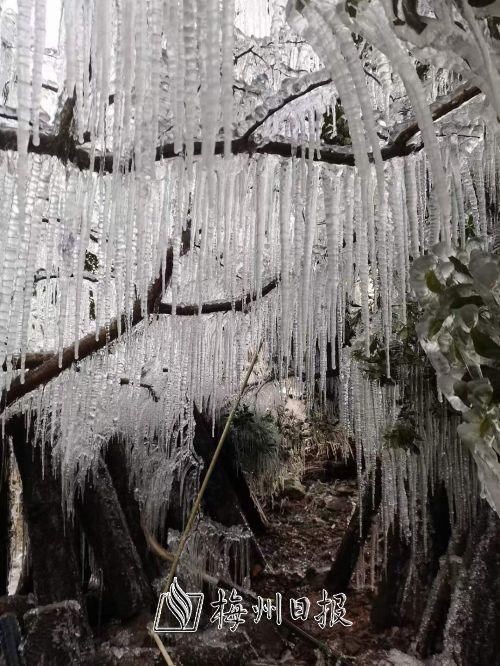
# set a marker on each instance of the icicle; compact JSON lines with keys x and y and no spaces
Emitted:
{"x":37,"y":68}
{"x":310,"y":230}
{"x":210,"y":109}
{"x":481,"y":196}
{"x":261,"y":182}
{"x":70,"y":46}
{"x":398,"y":230}
{"x":285,"y":214}
{"x":227,"y":73}
{"x":375,"y":28}
{"x":331,"y":193}
{"x":156,"y":17}
{"x":191,"y":77}
{"x":411,"y":204}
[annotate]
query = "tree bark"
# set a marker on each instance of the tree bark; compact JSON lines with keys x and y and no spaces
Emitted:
{"x":116,"y":462}
{"x":106,"y":529}
{"x":91,"y":343}
{"x":54,"y":563}
{"x":341,"y":571}
{"x":394,"y":604}
{"x":472,"y":632}
{"x":228,"y":493}
{"x":4,"y":516}
{"x":65,"y":147}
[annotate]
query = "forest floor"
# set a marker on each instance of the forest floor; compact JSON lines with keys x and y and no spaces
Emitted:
{"x":305,"y":532}
{"x":306,"y":525}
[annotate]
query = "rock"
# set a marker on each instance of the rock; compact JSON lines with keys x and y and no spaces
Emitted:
{"x":222,"y":647}
{"x":391,"y":658}
{"x":18,"y":604}
{"x":128,"y":634}
{"x":344,"y":491}
{"x":111,"y":655}
{"x":211,"y":646}
{"x":56,"y":634}
{"x":316,"y":577}
{"x":294,"y":489}
{"x":335,"y":504}
{"x":351,"y":647}
{"x":398,"y":658}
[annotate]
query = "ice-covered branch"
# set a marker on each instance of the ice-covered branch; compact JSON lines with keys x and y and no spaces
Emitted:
{"x":32,"y":360}
{"x":43,"y":275}
{"x":54,"y":365}
{"x":399,"y":146}
{"x":288,"y":100}
{"x":217,"y":306}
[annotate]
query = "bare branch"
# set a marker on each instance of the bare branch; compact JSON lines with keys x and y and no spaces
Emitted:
{"x":33,"y":360}
{"x":125,"y":381}
{"x":42,"y":275}
{"x":217,"y":306}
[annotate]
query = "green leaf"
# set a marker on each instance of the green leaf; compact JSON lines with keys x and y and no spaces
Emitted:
{"x":459,"y":266}
{"x":484,"y":426}
{"x":484,"y":345}
{"x":435,"y":327}
{"x":461,"y":391}
{"x":433,"y":283}
{"x":460,"y":301}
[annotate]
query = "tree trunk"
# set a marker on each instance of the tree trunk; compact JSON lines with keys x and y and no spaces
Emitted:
{"x":116,"y":462}
{"x":228,"y":493}
{"x":54,"y":564}
{"x":106,"y":529}
{"x":341,"y":571}
{"x":4,"y":516}
{"x":472,"y":632}
{"x":224,"y":501}
{"x":415,"y":572}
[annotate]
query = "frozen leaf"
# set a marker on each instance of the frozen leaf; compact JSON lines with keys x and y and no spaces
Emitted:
{"x":433,"y":283}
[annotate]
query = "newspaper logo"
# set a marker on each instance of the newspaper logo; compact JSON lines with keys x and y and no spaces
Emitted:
{"x":178,"y":611}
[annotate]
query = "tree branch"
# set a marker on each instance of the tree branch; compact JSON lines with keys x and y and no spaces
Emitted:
{"x":33,"y":360}
{"x":43,"y":275}
{"x":291,"y":98}
{"x":67,"y":150}
{"x":217,"y":306}
{"x":51,"y":367}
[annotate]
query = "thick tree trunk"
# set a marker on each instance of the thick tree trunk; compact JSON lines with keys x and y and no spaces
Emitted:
{"x":341,"y":571}
{"x":429,"y":638}
{"x":106,"y":529}
{"x":227,"y":498}
{"x":4,"y":517}
{"x":472,"y":632}
{"x":116,"y":462}
{"x":404,"y":603}
{"x":54,"y":564}
{"x":228,"y":494}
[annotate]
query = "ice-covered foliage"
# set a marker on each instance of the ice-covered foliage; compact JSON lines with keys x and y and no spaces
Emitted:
{"x":459,"y":332}
{"x":257,"y":447}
